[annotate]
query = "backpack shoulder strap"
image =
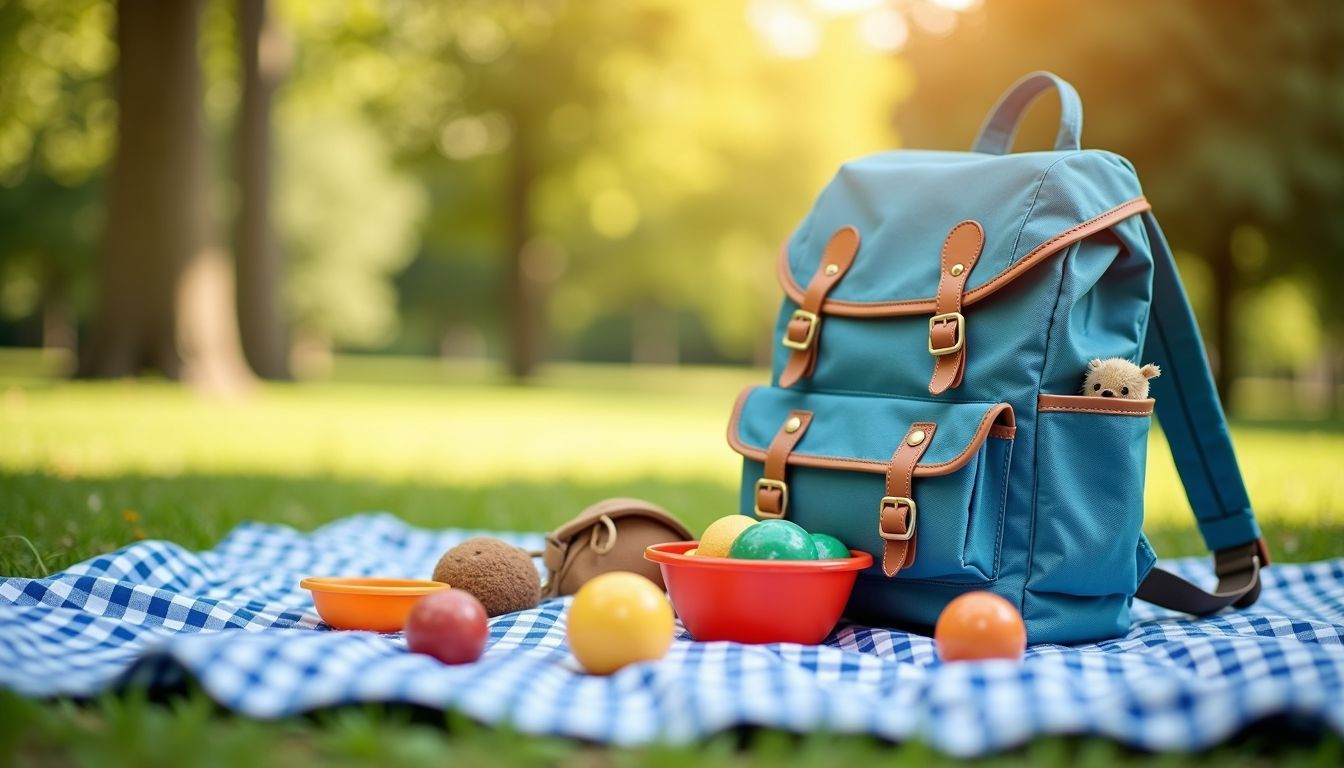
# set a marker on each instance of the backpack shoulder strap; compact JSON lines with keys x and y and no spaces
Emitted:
{"x":1192,"y":419}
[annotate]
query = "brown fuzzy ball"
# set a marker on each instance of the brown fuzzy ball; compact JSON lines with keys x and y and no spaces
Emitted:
{"x":500,"y":575}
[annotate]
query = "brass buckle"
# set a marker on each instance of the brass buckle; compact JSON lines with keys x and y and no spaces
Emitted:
{"x":812,"y":322}
{"x":778,"y":485}
{"x":947,"y":317}
{"x":898,"y":501}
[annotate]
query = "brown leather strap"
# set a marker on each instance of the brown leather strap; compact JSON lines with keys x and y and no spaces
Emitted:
{"x":947,"y":327}
{"x":772,"y":490}
{"x":1238,"y":571}
{"x":802,"y":334}
{"x":898,"y":515}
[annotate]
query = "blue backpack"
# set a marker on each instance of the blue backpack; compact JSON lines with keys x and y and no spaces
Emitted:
{"x":940,"y":312}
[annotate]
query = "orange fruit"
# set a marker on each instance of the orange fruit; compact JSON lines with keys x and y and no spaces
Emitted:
{"x":980,"y":625}
{"x":618,"y":618}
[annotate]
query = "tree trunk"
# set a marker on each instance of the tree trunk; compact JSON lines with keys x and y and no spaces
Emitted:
{"x":1226,"y":285}
{"x":523,"y":294}
{"x":260,"y":271}
{"x":157,"y":213}
{"x":59,"y":336}
{"x":208,"y":326}
{"x":1334,"y":378}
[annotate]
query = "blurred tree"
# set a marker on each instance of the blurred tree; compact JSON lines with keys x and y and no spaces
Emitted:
{"x":506,"y":69}
{"x":1232,"y":114}
{"x":1282,"y":324}
{"x":263,"y":53}
{"x":46,"y":232}
{"x":346,"y":216}
{"x":638,"y":158}
{"x":347,"y":221}
{"x":58,"y":131}
{"x":705,"y":164}
{"x":160,"y":283}
{"x":57,"y":128}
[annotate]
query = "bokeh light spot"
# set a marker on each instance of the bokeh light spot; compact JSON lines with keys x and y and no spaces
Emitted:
{"x":614,"y":213}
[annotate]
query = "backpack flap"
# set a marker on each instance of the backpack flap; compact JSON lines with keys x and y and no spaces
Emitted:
{"x":918,"y":484}
{"x":1030,"y":206}
{"x":977,"y":225}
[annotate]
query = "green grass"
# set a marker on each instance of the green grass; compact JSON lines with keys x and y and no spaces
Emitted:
{"x":187,"y":729}
{"x":69,"y":520}
{"x":86,"y":468}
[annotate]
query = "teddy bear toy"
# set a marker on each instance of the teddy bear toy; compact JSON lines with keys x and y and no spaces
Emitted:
{"x":1117,"y":377}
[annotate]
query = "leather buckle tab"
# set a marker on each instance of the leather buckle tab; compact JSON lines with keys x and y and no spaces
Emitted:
{"x":812,"y":322}
{"x":897,"y":502}
{"x":766,"y":483}
{"x":959,"y":328}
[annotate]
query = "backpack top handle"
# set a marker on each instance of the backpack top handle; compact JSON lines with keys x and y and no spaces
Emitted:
{"x":996,"y":135}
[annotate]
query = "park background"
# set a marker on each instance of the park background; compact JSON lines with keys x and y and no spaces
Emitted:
{"x":535,"y":181}
{"x":481,"y":263}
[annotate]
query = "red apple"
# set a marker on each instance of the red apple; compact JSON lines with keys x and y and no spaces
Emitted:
{"x":448,"y":625}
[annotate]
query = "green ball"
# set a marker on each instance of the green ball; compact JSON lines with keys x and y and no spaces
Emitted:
{"x":829,"y":547}
{"x":774,"y":540}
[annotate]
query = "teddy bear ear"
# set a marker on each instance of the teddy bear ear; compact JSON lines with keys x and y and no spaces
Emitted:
{"x":1150,"y":371}
{"x":1094,"y":364}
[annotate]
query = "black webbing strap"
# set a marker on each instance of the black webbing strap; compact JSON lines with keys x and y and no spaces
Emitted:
{"x":1238,"y":571}
{"x":1196,"y":430}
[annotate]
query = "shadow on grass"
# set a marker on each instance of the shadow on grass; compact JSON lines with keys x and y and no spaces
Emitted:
{"x":58,"y":522}
{"x":69,"y":520}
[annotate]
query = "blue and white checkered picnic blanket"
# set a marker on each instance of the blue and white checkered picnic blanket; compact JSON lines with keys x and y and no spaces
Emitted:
{"x":235,"y":619}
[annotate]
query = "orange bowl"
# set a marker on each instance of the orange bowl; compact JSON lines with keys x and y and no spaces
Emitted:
{"x":756,"y":601}
{"x":373,"y":604}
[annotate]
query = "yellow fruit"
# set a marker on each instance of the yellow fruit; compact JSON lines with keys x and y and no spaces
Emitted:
{"x":720,"y":535}
{"x":691,"y":551}
{"x":618,"y":618}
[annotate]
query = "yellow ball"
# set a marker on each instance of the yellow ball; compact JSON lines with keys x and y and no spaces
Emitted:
{"x":690,"y":551}
{"x":720,"y":535}
{"x":618,"y":618}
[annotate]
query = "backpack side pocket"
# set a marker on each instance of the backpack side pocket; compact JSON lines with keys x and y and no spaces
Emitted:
{"x":1091,"y":455}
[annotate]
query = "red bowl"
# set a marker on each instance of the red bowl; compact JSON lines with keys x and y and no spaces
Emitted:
{"x":756,"y":601}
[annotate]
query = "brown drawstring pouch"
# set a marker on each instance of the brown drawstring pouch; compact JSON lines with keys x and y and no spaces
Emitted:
{"x":610,"y":535}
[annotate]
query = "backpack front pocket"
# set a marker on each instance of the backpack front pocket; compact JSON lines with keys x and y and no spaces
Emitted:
{"x":822,"y":461}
